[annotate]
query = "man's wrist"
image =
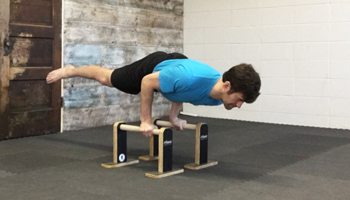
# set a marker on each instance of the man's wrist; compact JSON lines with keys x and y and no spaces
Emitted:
{"x":146,"y":121}
{"x":173,"y":118}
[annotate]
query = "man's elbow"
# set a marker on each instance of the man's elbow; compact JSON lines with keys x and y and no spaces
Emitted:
{"x":150,"y":82}
{"x":146,"y":83}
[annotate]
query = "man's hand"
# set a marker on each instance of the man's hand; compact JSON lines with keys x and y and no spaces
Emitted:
{"x":179,"y":124}
{"x":147,"y":128}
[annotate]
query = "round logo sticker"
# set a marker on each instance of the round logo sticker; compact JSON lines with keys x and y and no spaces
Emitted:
{"x":121,"y":157}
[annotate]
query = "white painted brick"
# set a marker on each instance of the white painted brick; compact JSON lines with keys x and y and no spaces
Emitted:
{"x":194,"y":51}
{"x":312,"y":87}
{"x":340,"y":12}
{"x":217,"y":19}
{"x":340,"y":51}
{"x":340,"y":122}
{"x":244,"y":4}
{"x":277,"y":51}
{"x":310,"y":2}
{"x":295,"y":119}
{"x":217,"y":5}
{"x":274,"y":34}
{"x":340,"y":69}
{"x":199,"y":5}
{"x":112,"y":56}
{"x":252,"y":52}
{"x":244,"y":115}
{"x":313,"y":120}
{"x":194,"y":6}
{"x":311,"y":105}
{"x":295,"y":105}
{"x":256,"y":106}
{"x":216,"y":35}
{"x":311,"y":14}
{"x":340,"y":31}
{"x":276,"y":103}
{"x":189,"y":108}
{"x":244,"y":35}
{"x":313,"y":32}
{"x":311,"y":69}
{"x":276,"y":3}
{"x":244,"y":52}
{"x":300,"y":48}
{"x":339,"y":1}
{"x":277,"y":86}
{"x":277,"y":16}
{"x":340,"y":107}
{"x":194,"y":20}
{"x":339,"y":88}
{"x":217,"y":51}
{"x":256,"y":64}
{"x":276,"y":69}
{"x":237,"y":53}
{"x":194,"y":36}
{"x":311,"y":51}
{"x":252,"y":17}
{"x":220,"y":65}
{"x":212,"y":111}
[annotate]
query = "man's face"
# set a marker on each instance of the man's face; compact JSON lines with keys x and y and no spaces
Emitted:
{"x":232,"y":100}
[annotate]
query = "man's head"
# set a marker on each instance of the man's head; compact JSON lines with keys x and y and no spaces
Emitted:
{"x":242,"y":84}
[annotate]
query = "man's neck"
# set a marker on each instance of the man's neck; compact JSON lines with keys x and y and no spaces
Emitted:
{"x":216,"y":92}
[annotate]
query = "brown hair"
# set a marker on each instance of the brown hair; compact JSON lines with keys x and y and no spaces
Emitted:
{"x":243,"y":78}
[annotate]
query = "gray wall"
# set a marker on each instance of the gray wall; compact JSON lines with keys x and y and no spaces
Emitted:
{"x":114,"y":33}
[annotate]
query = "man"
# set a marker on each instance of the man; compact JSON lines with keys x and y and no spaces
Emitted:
{"x":178,"y":79}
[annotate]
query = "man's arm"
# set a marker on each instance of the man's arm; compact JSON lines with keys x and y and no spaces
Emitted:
{"x":175,"y":109}
{"x":148,"y":85}
{"x":173,"y":116}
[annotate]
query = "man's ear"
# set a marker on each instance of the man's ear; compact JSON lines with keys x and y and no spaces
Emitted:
{"x":227,"y":86}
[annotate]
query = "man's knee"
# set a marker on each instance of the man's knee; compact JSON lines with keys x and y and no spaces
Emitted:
{"x":105,"y":78}
{"x":104,"y":81}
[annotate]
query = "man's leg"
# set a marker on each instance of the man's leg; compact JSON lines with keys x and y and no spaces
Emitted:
{"x":100,"y":74}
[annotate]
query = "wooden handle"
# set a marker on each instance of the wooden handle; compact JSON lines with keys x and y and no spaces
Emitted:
{"x":168,"y":124}
{"x":132,"y":128}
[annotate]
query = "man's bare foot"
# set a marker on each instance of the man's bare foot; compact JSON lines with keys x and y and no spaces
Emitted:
{"x":58,"y":74}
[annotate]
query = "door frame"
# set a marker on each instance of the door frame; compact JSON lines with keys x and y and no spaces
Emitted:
{"x":56,"y":98}
{"x":4,"y":67}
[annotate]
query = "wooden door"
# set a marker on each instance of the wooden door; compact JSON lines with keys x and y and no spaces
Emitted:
{"x":30,"y":48}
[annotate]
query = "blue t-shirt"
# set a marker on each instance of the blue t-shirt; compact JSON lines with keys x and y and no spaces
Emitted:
{"x":186,"y":80}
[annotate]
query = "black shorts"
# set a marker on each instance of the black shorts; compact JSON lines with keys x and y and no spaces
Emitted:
{"x":128,"y":78}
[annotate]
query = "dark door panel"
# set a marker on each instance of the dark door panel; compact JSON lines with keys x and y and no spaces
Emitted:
{"x":30,"y":106}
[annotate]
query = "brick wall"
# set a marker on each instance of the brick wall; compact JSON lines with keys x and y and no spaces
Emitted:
{"x":112,"y":34}
{"x":300,"y":48}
